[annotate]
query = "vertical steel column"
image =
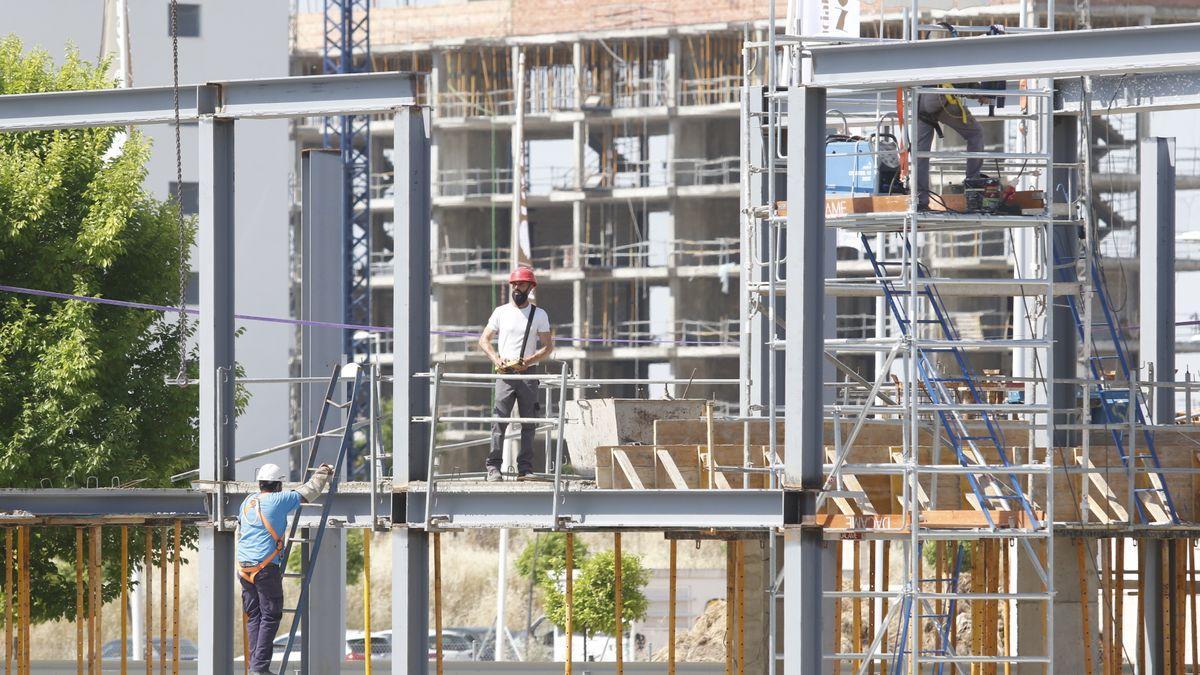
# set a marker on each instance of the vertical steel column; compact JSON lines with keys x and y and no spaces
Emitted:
{"x":804,"y":452}
{"x":322,"y":291}
{"x":323,"y":298}
{"x":1065,"y":349}
{"x":410,"y":561}
{"x":1156,"y":249}
{"x":217,"y":415}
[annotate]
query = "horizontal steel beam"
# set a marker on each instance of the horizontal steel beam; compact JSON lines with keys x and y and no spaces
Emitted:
{"x":477,"y":505}
{"x":316,"y":95}
{"x":499,"y":507}
{"x":237,"y":99}
{"x":1112,"y":51}
{"x":351,"y":507}
{"x":1134,"y":92}
{"x":63,"y":503}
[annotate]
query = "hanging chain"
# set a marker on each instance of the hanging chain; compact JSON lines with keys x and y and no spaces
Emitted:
{"x":182,"y":377}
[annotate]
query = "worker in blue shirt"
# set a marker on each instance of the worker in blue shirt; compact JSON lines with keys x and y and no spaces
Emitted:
{"x":262,"y":529}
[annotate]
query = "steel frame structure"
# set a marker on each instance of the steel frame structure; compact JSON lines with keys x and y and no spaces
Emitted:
{"x":218,"y":106}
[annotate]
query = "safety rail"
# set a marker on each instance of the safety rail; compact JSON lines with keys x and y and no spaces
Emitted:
{"x":472,"y":260}
{"x":381,"y":184}
{"x":704,"y":171}
{"x":473,"y":182}
{"x":490,"y":103}
{"x":553,"y":424}
{"x":710,"y":91}
{"x":434,"y":460}
{"x":970,"y":245}
{"x":625,"y":91}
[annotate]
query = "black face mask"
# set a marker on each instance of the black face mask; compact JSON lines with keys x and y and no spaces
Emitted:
{"x":520,"y":297}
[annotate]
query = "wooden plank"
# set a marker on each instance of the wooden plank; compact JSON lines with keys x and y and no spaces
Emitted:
{"x":1118,"y":601}
{"x":1111,"y":503}
{"x":856,"y":603}
{"x":842,"y":206}
{"x":622,"y":460}
{"x":1080,"y":559}
{"x":667,"y":462}
{"x":948,"y":519}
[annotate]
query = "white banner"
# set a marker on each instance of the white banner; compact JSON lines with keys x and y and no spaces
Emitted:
{"x":829,"y":17}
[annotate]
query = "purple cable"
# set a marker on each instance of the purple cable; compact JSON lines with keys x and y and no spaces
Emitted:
{"x":318,"y":324}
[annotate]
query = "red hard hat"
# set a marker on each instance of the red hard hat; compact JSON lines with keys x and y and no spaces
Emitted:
{"x":522,"y":274}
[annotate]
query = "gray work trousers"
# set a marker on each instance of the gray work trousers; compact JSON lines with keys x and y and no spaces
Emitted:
{"x":523,"y":393}
{"x":948,"y":115}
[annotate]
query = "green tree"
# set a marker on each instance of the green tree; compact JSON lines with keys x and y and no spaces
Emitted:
{"x":546,"y":555}
{"x":82,"y":392}
{"x":596,"y":594}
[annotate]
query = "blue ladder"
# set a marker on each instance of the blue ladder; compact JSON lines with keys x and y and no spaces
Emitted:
{"x":945,"y":620}
{"x":1108,"y":406}
{"x":967,"y":446}
{"x":310,"y":563}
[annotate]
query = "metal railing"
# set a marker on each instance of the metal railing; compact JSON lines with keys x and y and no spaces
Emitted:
{"x":624,"y":92}
{"x":855,"y":325}
{"x":473,"y":182}
{"x":719,"y":171}
{"x":710,"y":91}
{"x":661,"y":173}
{"x":471,"y":260}
{"x":719,"y":332}
{"x":381,"y":184}
{"x":971,"y":244}
{"x":479,"y":104}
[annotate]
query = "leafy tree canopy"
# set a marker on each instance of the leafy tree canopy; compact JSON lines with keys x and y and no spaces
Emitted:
{"x":82,"y":392}
{"x":596,"y":594}
{"x":547,"y":554}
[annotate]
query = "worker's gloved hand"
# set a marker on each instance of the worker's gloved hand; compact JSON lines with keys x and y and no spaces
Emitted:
{"x":315,"y":485}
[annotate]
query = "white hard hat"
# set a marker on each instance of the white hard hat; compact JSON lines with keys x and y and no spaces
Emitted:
{"x":271,"y":473}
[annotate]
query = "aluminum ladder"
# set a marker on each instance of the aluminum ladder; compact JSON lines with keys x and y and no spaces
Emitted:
{"x":309,"y":564}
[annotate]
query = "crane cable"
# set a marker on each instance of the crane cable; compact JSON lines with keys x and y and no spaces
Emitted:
{"x":182,"y":377}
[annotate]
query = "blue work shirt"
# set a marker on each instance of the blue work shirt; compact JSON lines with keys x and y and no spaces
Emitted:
{"x":254,"y":541}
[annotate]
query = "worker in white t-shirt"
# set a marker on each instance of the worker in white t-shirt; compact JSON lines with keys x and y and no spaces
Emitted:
{"x":522,"y":331}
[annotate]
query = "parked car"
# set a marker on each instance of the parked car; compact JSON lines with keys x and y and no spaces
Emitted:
{"x":381,"y":646}
{"x":187,"y":649}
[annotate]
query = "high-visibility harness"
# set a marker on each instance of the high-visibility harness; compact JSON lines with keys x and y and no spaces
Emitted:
{"x":951,"y":99}
{"x":248,"y":573}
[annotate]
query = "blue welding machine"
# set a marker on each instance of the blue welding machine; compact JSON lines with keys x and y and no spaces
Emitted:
{"x":859,"y":167}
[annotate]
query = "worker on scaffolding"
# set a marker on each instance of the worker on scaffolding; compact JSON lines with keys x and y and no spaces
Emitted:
{"x":510,"y":325}
{"x":262,"y":523}
{"x":948,"y":109}
{"x":934,"y":111}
